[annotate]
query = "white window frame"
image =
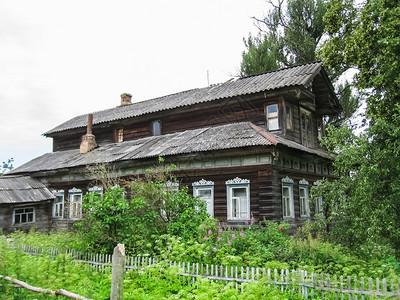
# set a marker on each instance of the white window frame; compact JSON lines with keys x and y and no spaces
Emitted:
{"x":287,"y":202}
{"x":96,"y":189}
{"x":58,"y":206}
{"x":304,"y":201}
{"x":75,"y":205}
{"x":24,"y":213}
{"x":231,"y":185}
{"x":272,"y":116}
{"x":201,"y":186}
{"x":319,"y":202}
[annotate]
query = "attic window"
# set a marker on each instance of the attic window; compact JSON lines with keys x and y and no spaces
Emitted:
{"x":288,"y":117}
{"x":157,"y":127}
{"x":120,"y":135}
{"x":273,"y":117}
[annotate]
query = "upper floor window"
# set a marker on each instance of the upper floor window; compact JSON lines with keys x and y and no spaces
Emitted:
{"x":157,"y":127}
{"x":58,"y":204}
{"x":287,"y":198}
{"x":75,"y":203}
{"x":24,"y":215}
{"x":119,"y":135}
{"x":273,"y":117}
{"x":288,"y":117}
{"x":205,"y":191}
{"x":306,"y":128}
{"x":303,"y":198}
{"x":238,"y":194}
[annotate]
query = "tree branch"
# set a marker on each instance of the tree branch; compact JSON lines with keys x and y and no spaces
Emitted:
{"x":44,"y":291}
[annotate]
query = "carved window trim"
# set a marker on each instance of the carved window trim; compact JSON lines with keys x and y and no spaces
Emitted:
{"x":75,"y":203}
{"x":238,"y":208}
{"x":304,"y":199}
{"x":203,"y":185}
{"x":287,"y":198}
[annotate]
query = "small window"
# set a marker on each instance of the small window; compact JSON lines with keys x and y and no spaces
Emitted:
{"x":119,"y":135}
{"x":273,"y":117}
{"x":238,"y":193}
{"x":58,"y":204}
{"x":205,"y":191}
{"x":157,"y":127}
{"x":24,"y":215}
{"x":287,"y":198}
{"x":288,"y":117}
{"x":75,"y":203}
{"x":303,"y":199}
{"x":320,"y":129}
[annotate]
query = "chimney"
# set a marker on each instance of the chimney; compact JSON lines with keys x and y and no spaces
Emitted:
{"x":88,"y":140}
{"x":126,"y":99}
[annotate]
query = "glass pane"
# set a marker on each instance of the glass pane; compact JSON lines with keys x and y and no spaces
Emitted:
{"x":204,"y":193}
{"x":285,"y":191}
{"x":273,"y":124}
{"x":19,"y":211}
{"x":156,"y":128}
{"x":17,"y":219}
{"x":235,"y":207}
{"x":30,"y":217}
{"x":239,"y":192}
{"x":302,"y":192}
{"x":272,"y":108}
{"x":28,"y":210}
{"x":23,"y":218}
{"x":58,"y":199}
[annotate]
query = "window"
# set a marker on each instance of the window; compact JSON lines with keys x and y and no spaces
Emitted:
{"x":320,"y":128}
{"x":75,"y":203}
{"x":58,"y":204}
{"x":24,"y":215}
{"x":287,"y":198}
{"x":319,"y":208}
{"x":238,"y":193}
{"x":157,"y":127}
{"x":306,"y":128}
{"x":303,"y":199}
{"x":288,"y":117}
{"x":96,"y":189}
{"x":273,"y":117}
{"x":205,"y":191}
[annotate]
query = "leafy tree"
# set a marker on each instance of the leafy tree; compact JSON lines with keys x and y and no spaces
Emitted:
{"x":7,"y":166}
{"x":364,"y":201}
{"x":140,"y":212}
{"x":290,"y":34}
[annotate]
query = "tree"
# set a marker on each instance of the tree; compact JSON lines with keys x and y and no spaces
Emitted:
{"x":7,"y":166}
{"x":367,"y":192}
{"x":290,"y":34}
{"x":138,"y":213}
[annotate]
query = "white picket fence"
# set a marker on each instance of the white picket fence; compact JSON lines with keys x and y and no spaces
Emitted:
{"x":300,"y":281}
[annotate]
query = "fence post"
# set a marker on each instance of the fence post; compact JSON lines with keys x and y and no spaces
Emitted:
{"x":118,"y":270}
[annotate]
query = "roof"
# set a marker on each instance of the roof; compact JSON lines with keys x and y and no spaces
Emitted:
{"x":22,"y":189}
{"x":229,"y":136}
{"x":289,"y":77}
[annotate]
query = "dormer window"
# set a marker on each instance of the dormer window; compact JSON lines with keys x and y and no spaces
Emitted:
{"x":288,"y":117}
{"x":157,"y":127}
{"x":273,"y":117}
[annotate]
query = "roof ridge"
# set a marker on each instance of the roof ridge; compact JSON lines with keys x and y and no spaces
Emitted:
{"x":282,"y":69}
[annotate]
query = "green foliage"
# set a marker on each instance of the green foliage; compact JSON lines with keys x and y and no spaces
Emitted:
{"x":138,"y":214}
{"x":6,"y":166}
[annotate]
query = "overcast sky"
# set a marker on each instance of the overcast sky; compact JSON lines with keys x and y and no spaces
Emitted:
{"x":59,"y":59}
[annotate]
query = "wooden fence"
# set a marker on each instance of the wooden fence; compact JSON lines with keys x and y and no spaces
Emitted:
{"x":300,"y":281}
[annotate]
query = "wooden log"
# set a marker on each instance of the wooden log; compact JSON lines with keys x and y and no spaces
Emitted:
{"x":60,"y":292}
{"x":118,"y":270}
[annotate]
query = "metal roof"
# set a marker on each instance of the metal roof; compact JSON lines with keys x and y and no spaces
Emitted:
{"x":22,"y":189}
{"x":289,"y":77}
{"x":229,"y":136}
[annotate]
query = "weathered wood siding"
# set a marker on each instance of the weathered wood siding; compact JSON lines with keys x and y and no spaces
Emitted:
{"x":42,"y":217}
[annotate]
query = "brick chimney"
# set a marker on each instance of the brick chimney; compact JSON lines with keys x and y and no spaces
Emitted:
{"x":126,"y":99}
{"x":88,"y":140}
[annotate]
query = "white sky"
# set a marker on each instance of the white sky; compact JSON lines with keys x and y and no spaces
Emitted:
{"x":62,"y":58}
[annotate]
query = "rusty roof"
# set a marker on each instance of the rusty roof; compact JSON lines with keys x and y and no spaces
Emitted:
{"x":22,"y":189}
{"x":294,"y":76}
{"x":221,"y":137}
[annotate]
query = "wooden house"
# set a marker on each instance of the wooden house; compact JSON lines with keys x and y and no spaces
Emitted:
{"x":249,"y":147}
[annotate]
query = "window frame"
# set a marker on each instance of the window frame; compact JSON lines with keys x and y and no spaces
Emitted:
{"x":288,"y":117}
{"x":304,"y":203}
{"x":319,"y":202}
{"x":288,"y":183}
{"x":57,"y":205}
{"x":237,"y":183}
{"x":71,"y":193}
{"x":96,"y":189}
{"x":158,"y":131}
{"x":272,"y":116}
{"x":24,"y":213}
{"x":205,"y":185}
